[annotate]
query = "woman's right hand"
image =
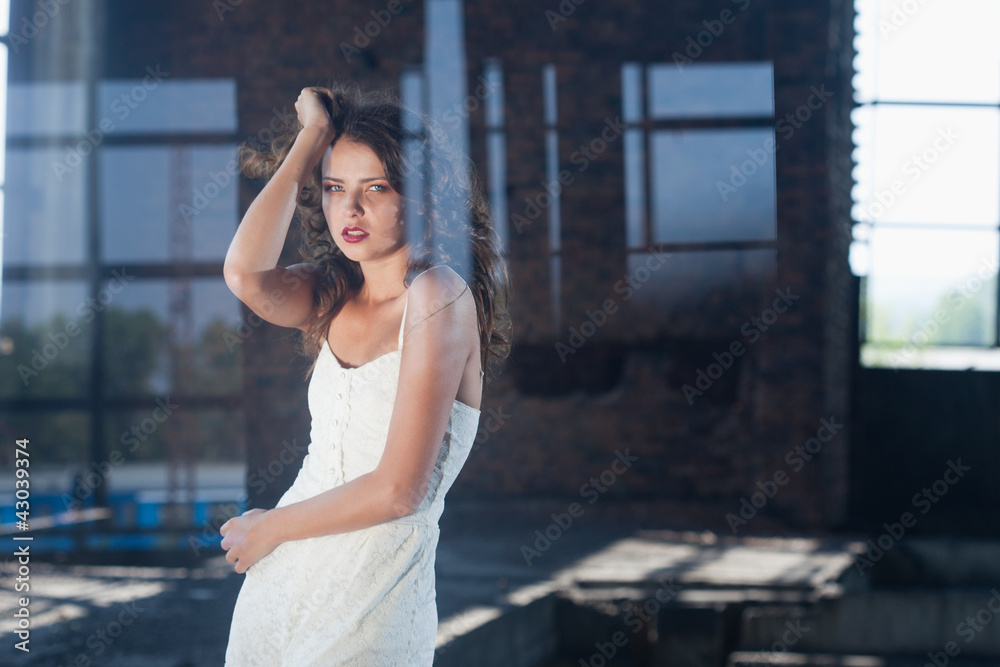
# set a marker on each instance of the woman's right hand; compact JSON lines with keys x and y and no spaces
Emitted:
{"x":312,"y":112}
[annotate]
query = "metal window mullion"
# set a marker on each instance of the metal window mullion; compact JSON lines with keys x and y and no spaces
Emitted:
{"x":92,"y":190}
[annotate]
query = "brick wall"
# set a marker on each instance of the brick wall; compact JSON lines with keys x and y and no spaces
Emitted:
{"x":562,"y":423}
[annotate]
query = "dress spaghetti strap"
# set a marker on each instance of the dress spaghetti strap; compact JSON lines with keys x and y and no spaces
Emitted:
{"x":406,"y":302}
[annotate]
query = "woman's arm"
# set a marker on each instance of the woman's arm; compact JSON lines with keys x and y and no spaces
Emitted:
{"x":250,"y":269}
{"x":436,"y":349}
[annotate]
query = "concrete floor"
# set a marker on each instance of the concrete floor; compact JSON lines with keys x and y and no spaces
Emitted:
{"x":156,"y":616}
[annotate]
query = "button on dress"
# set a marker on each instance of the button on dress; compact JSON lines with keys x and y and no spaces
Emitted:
{"x":365,"y":597}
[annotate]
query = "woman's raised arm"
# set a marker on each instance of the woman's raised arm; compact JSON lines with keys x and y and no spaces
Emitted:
{"x":276,"y":293}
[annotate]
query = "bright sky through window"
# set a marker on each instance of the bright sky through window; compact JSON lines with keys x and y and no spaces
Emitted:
{"x":927,"y":193}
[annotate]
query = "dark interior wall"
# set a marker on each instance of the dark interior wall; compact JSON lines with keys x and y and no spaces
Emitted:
{"x":842,"y":287}
{"x":909,"y":425}
{"x":623,"y":388}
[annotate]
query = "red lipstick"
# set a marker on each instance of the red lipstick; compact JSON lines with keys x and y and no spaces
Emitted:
{"x":353,"y":234}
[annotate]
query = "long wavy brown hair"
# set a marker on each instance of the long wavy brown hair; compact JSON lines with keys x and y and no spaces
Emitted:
{"x":454,"y":225}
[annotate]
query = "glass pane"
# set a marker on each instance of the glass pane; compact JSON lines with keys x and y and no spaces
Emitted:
{"x":493,"y":73}
{"x":713,"y":185}
{"x":926,"y":164}
{"x":58,"y":443}
{"x":140,"y":436}
{"x":212,"y":209}
{"x":496,"y":160}
{"x":929,"y":51}
{"x":219,"y":330}
{"x":444,"y":66}
{"x":47,"y":109}
{"x":413,"y":187}
{"x":929,"y":287}
{"x":632,"y":92}
{"x":138,"y":339}
{"x":142,"y":467}
{"x":412,"y":96}
{"x":942,"y":358}
{"x":135,"y":204}
{"x":44,"y":210}
{"x":444,"y":85}
{"x":711,"y":90}
{"x":156,"y":105}
{"x":46,"y":329}
{"x":685,"y":280}
{"x":549,"y":94}
{"x":145,"y":190}
{"x":635,"y":189}
{"x":3,"y":103}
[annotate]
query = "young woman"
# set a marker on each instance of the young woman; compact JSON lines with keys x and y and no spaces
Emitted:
{"x":401,"y":324}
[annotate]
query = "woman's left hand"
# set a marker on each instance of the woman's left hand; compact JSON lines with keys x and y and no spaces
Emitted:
{"x":245,"y":545}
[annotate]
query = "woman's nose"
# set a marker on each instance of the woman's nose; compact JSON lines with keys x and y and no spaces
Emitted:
{"x":351,"y":204}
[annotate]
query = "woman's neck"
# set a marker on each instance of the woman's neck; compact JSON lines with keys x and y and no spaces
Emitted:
{"x":383,"y":279}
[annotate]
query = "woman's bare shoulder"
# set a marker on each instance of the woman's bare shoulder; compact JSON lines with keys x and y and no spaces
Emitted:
{"x":436,"y":288}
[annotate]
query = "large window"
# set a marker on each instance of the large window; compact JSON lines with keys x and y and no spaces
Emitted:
{"x":927,"y":200}
{"x":699,"y":149}
{"x":120,"y":343}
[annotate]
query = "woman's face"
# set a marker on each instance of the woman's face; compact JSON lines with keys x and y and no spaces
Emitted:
{"x":363,"y":212}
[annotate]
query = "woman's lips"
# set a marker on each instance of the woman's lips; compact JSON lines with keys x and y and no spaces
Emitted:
{"x":353,"y":234}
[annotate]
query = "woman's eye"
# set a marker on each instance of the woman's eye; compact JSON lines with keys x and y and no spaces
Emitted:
{"x":334,"y":187}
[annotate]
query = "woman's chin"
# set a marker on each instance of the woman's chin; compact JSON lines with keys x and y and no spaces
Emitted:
{"x":362,"y":252}
{"x":350,"y":250}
